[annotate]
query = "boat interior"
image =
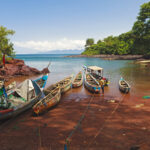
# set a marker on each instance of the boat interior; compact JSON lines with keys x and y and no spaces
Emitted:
{"x":123,"y":83}
{"x":90,"y":80}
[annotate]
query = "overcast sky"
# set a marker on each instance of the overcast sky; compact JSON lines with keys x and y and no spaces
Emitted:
{"x":43,"y":25}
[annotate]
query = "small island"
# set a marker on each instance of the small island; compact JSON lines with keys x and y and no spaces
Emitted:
{"x":134,"y":44}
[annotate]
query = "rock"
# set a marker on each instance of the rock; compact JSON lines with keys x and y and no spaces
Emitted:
{"x":25,"y":70}
{"x":14,"y":61}
{"x":143,"y":128}
{"x":17,"y":67}
{"x":19,"y":63}
{"x":35,"y":71}
{"x":11,"y":69}
{"x":45,"y":70}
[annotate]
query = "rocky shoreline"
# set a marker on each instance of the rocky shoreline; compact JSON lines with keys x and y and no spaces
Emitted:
{"x":110,"y":57}
{"x":17,"y":67}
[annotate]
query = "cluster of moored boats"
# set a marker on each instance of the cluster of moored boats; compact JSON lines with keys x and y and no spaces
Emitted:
{"x":31,"y":94}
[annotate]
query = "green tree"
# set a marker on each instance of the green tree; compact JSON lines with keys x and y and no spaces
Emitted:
{"x":89,"y":42}
{"x":141,"y":30}
{"x":6,"y":47}
{"x":99,"y":41}
{"x":136,"y":41}
{"x":129,"y":39}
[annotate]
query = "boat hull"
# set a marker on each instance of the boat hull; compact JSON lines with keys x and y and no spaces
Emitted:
{"x":124,"y":89}
{"x":22,"y":108}
{"x":79,"y":82}
{"x":64,"y":85}
{"x":90,"y":87}
{"x":76,"y":85}
{"x":47,"y":103}
{"x":66,"y":88}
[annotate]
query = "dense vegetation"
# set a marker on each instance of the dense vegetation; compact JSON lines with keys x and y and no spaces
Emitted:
{"x":136,"y":41}
{"x":6,"y":47}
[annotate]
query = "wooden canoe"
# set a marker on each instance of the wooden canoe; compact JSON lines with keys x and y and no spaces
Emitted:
{"x":78,"y":80}
{"x":17,"y":103}
{"x":124,"y":86}
{"x":91,"y":83}
{"x":42,"y":81}
{"x":51,"y":99}
{"x":64,"y":85}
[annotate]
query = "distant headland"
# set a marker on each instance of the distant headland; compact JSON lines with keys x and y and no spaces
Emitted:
{"x":112,"y":57}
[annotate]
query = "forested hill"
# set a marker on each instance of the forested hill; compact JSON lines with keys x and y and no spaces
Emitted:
{"x":136,"y":41}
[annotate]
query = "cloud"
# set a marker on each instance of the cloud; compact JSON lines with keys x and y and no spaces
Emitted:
{"x":63,"y":44}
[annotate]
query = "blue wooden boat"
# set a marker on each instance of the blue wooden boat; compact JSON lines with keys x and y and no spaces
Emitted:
{"x":91,"y":83}
{"x":42,"y":81}
{"x":97,"y":73}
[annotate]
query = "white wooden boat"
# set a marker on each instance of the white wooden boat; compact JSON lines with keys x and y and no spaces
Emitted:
{"x":124,"y":86}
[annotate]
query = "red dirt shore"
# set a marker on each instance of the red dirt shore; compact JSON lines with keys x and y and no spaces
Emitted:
{"x":107,"y":125}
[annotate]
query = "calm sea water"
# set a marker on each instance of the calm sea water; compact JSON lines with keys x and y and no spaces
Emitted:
{"x":137,"y":75}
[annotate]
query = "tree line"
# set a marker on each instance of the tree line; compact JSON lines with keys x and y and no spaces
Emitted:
{"x":136,"y":41}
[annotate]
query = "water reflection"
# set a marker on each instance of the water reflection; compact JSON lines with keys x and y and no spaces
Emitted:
{"x":137,"y":75}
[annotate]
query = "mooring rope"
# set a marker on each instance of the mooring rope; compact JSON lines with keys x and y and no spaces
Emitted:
{"x":39,"y":132}
{"x":78,"y":124}
{"x":99,"y":131}
{"x":40,"y":137}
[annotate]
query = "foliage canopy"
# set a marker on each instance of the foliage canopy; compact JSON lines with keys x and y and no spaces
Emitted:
{"x":6,"y":47}
{"x":89,"y":42}
{"x":136,"y":41}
